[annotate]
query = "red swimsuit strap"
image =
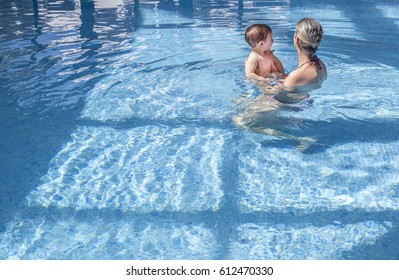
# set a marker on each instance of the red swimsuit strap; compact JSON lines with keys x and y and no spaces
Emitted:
{"x":314,"y":61}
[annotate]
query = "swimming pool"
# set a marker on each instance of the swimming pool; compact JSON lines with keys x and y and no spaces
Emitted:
{"x":118,"y":142}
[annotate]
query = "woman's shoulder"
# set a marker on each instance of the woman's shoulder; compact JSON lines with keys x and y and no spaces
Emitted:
{"x":304,"y":79}
{"x":294,"y":78}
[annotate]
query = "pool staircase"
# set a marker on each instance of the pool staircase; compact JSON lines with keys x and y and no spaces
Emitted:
{"x":156,"y":170}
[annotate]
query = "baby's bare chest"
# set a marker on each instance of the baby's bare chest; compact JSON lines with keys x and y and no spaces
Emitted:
{"x":265,"y":66}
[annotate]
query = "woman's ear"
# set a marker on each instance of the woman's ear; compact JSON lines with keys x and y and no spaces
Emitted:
{"x":296,"y":40}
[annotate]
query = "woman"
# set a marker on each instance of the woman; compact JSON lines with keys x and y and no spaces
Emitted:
{"x":311,"y":71}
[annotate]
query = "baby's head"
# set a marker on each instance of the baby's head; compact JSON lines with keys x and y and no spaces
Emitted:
{"x":309,"y":32}
{"x":257,"y":33}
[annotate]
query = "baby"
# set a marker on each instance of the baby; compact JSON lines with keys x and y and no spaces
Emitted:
{"x":261,"y":61}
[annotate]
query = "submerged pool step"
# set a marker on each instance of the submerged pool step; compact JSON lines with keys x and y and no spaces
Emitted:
{"x":346,"y":176}
{"x":59,"y":235}
{"x":159,"y":168}
{"x":144,"y":169}
{"x":283,"y":242}
{"x":63,"y":234}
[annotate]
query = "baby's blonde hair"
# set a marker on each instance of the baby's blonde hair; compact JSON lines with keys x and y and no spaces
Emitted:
{"x":310,"y":33}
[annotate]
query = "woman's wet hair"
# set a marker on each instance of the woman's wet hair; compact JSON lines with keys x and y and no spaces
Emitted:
{"x":310,"y":33}
{"x":257,"y":33}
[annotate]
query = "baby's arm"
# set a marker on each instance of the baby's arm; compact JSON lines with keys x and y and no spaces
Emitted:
{"x":250,"y":66}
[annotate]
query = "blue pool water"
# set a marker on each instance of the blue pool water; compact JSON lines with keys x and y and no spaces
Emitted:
{"x":117,"y":140}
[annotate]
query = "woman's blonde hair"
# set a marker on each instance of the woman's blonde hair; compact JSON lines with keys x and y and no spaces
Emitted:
{"x":310,"y":33}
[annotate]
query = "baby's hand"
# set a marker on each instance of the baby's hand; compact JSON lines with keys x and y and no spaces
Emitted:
{"x":269,"y":78}
{"x":280,"y":75}
{"x":272,"y":79}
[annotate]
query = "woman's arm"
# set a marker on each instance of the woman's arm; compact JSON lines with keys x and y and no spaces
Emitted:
{"x":293,"y":80}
